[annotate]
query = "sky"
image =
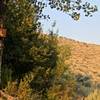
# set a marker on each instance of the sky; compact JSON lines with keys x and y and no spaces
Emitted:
{"x":87,"y":29}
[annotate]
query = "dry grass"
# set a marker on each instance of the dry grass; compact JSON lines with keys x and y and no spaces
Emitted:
{"x":85,"y":58}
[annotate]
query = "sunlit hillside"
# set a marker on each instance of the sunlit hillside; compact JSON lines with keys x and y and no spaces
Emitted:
{"x":85,"y":58}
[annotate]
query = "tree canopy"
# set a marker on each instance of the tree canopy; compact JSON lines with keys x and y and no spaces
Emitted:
{"x":26,"y":48}
{"x":73,"y":8}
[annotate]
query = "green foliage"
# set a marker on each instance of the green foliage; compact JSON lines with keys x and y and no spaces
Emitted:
{"x":25,"y":47}
{"x":6,"y":75}
{"x":20,"y":16}
{"x":64,"y":84}
{"x":45,"y":71}
{"x":63,"y":87}
{"x":94,"y":95}
{"x":73,"y":7}
{"x":21,"y":24}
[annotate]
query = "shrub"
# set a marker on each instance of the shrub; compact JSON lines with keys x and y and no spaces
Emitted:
{"x":64,"y":85}
{"x":63,"y":88}
{"x":22,"y":90}
{"x":94,"y":95}
{"x":84,"y":85}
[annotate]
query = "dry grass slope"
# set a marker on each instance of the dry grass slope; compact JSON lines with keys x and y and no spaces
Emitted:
{"x":85,"y":58}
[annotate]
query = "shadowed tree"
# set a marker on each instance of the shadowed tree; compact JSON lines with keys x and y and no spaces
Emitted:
{"x":25,"y":47}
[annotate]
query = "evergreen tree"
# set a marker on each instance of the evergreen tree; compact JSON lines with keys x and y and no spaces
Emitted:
{"x":26,"y":48}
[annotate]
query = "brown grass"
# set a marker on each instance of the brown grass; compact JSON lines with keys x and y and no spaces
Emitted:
{"x":85,"y":58}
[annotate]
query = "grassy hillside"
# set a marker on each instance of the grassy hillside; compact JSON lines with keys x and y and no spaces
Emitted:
{"x":85,"y":58}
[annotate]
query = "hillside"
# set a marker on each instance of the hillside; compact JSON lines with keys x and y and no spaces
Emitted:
{"x":85,"y":58}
